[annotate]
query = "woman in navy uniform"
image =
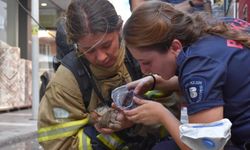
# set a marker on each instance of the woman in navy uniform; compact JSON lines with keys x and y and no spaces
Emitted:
{"x":184,"y":5}
{"x":211,"y":62}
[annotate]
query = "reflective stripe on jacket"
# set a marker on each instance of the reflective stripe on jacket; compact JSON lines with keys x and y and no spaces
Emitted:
{"x":84,"y":141}
{"x":112,"y":141}
{"x":76,"y":127}
{"x":60,"y":130}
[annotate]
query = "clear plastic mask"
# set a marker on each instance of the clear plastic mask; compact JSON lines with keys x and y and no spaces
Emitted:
{"x":123,"y":98}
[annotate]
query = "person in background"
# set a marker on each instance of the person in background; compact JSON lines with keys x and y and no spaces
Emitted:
{"x":190,"y":6}
{"x":62,"y":46}
{"x":210,"y":60}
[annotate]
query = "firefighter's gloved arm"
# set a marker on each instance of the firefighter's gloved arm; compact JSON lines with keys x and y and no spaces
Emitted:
{"x":212,"y":136}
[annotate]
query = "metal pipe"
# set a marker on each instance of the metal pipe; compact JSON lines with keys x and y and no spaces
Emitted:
{"x":35,"y":58}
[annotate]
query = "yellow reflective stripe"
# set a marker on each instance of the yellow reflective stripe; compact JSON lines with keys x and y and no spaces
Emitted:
{"x":60,"y":130}
{"x":163,"y":132}
{"x":64,"y":125}
{"x":88,"y":142}
{"x":111,"y":141}
{"x":53,"y":137}
{"x":154,"y":94}
{"x":105,"y":142}
{"x":84,"y":141}
{"x":80,"y":133}
{"x":117,"y":139}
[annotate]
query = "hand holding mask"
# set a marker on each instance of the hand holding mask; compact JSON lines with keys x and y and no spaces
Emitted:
{"x":123,"y":98}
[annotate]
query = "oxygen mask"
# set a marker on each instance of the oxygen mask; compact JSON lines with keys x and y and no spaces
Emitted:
{"x":123,"y":98}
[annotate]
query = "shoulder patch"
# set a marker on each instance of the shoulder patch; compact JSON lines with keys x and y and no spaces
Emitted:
{"x":60,"y":113}
{"x":195,"y":89}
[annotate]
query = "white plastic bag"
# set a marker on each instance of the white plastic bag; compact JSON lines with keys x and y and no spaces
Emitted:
{"x":210,"y":136}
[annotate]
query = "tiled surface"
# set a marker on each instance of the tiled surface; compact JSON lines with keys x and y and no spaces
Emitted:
{"x":17,"y":126}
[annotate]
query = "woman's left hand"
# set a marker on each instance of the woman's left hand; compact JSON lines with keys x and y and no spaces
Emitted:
{"x":148,"y":112}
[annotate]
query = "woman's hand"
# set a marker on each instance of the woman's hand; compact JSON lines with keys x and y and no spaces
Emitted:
{"x":121,"y":118}
{"x":125,"y":123}
{"x":148,"y":112}
{"x":145,"y":84}
{"x":142,"y":85}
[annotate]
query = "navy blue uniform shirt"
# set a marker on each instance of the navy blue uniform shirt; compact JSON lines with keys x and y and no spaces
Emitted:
{"x":216,"y":72}
{"x":173,"y":1}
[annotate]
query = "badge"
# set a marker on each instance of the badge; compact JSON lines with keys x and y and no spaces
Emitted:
{"x":60,"y":113}
{"x":194,"y":89}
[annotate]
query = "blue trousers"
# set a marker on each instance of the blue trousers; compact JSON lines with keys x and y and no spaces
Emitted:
{"x":167,"y":144}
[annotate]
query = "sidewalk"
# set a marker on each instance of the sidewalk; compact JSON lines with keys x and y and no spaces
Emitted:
{"x":17,"y":126}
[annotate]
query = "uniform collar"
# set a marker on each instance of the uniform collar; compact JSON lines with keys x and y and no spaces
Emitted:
{"x":180,"y":58}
